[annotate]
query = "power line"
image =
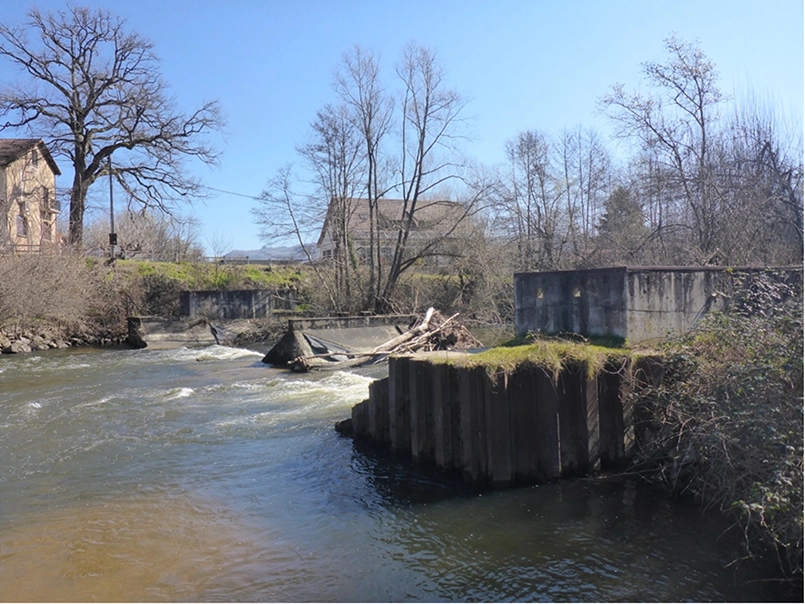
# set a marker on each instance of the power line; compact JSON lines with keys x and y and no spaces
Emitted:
{"x":233,"y":193}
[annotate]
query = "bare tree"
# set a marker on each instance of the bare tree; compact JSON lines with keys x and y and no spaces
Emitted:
{"x":430,"y":115}
{"x":95,"y":95}
{"x":284,"y":213}
{"x":536,"y":217}
{"x":359,"y":86}
{"x":334,"y":156}
{"x":356,"y":158}
{"x":587,"y":174}
{"x":762,"y":175}
{"x":679,"y":126}
{"x":149,"y":236}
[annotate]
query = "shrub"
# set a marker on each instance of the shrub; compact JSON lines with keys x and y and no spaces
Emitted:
{"x":726,"y":421}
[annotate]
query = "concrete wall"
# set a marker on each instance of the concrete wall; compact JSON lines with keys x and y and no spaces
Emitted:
{"x":587,"y":302}
{"x":242,"y":304}
{"x":640,"y":305}
{"x":668,"y":302}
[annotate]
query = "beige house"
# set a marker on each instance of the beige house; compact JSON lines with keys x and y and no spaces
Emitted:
{"x":28,"y":204}
{"x":434,"y":221}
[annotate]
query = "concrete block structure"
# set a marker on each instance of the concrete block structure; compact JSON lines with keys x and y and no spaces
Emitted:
{"x":636,"y":304}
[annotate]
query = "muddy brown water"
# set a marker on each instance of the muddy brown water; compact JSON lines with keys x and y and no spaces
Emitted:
{"x":204,"y":475}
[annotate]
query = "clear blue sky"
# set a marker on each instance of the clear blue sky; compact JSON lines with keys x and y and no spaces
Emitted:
{"x":539,"y":64}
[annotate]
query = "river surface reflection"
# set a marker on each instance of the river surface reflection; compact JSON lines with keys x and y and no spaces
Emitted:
{"x":203,"y":475}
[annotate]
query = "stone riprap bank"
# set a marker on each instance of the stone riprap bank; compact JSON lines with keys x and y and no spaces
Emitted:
{"x":503,"y":428}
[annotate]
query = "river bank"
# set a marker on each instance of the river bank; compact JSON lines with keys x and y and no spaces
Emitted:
{"x":28,"y":340}
{"x":257,"y":332}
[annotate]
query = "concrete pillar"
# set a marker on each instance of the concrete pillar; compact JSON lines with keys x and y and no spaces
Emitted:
{"x":526,"y":432}
{"x":497,"y":418}
{"x":471,"y":387}
{"x":612,"y":423}
{"x":382,"y":392}
{"x":446,"y":435}
{"x":593,"y":426}
{"x":578,"y":421}
{"x":399,"y":405}
{"x":549,"y":462}
{"x":378,"y":411}
{"x":360,"y":420}
{"x":420,"y":375}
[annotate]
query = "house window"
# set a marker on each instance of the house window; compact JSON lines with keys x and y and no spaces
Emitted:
{"x":47,"y":227}
{"x":22,"y":226}
{"x":35,"y":158}
{"x":45,"y":198}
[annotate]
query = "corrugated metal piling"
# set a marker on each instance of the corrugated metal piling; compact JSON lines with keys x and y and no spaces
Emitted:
{"x":502,"y":428}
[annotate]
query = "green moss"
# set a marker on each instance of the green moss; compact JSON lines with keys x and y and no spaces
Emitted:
{"x":553,"y":356}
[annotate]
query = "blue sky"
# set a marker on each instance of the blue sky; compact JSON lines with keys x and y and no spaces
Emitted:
{"x":539,"y":64}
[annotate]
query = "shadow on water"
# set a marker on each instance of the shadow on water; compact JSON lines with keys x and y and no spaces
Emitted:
{"x":609,"y":538}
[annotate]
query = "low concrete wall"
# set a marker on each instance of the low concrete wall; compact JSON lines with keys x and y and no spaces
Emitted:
{"x":236,"y":304}
{"x":168,"y":332}
{"x":174,"y":332}
{"x":503,"y":429}
{"x":317,"y":335}
{"x":638,"y":304}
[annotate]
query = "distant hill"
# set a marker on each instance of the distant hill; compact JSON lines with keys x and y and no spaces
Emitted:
{"x":288,"y":253}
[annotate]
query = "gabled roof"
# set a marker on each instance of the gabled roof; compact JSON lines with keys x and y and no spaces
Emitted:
{"x":431,"y":218}
{"x":11,"y":149}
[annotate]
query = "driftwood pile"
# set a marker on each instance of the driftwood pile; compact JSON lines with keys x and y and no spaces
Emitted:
{"x":431,"y":332}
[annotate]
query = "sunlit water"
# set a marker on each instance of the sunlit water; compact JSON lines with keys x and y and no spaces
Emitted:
{"x":204,"y":475}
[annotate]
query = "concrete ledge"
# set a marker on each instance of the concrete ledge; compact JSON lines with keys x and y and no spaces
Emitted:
{"x":162,"y":333}
{"x":334,"y":335}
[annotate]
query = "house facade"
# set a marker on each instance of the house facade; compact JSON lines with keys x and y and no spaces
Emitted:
{"x":433,"y":221}
{"x":28,"y":204}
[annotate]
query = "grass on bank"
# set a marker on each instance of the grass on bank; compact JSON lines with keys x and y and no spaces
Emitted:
{"x":553,"y":355}
{"x":212,"y":276}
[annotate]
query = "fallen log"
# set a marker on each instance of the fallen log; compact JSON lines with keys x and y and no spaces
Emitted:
{"x":419,"y":337}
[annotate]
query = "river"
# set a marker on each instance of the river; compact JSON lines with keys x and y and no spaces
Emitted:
{"x":204,"y":475}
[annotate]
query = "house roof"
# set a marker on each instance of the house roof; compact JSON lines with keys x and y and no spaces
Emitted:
{"x":431,"y":218}
{"x":11,"y":149}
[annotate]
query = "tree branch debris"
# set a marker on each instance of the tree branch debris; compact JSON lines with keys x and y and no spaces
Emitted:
{"x":430,"y":332}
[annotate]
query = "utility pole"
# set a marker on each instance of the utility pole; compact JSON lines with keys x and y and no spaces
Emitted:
{"x":112,"y":234}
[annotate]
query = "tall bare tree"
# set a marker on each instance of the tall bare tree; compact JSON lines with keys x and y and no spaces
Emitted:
{"x":762,"y":174}
{"x":95,"y":94}
{"x":397,"y":158}
{"x":587,"y":175}
{"x":536,"y":217}
{"x":359,"y":85}
{"x":430,"y":128}
{"x":679,"y":127}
